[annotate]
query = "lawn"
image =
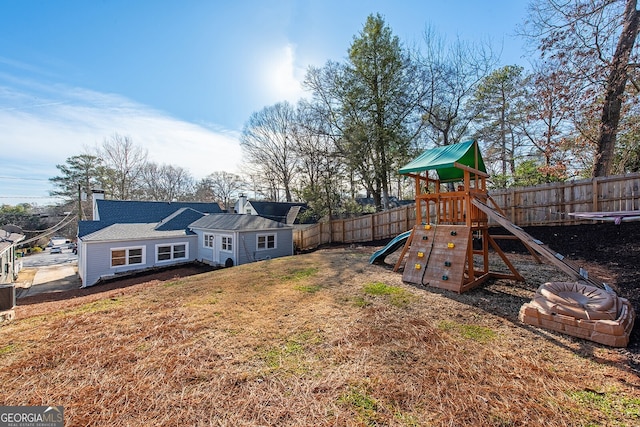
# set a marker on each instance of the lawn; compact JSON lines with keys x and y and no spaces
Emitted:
{"x":321,"y":339}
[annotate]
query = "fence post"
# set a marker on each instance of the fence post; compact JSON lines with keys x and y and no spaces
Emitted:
{"x":373,"y":226}
{"x":594,"y":183}
{"x":513,"y":205}
{"x":407,"y":211}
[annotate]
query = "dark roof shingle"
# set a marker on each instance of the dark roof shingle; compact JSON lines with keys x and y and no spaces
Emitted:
{"x":170,"y":215}
{"x":132,"y":211}
{"x":276,"y":211}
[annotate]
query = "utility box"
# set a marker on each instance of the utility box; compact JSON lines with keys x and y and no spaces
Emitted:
{"x":7,"y":297}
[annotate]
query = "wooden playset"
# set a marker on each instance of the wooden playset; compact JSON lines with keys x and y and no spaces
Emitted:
{"x":449,"y":245}
{"x":440,"y":251}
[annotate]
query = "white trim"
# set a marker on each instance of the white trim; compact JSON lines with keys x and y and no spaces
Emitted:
{"x":204,"y":240}
{"x":266,"y":242}
{"x":127,"y":249}
{"x":222,"y":242}
{"x":172,"y":245}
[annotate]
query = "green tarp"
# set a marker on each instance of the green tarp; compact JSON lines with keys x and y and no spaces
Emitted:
{"x":442,"y":160}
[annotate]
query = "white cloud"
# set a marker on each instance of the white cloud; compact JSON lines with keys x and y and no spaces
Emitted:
{"x":36,"y":133}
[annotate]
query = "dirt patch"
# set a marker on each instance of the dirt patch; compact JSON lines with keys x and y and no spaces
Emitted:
{"x":51,"y":301}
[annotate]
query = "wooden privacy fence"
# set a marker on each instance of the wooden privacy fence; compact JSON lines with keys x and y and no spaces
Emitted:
{"x":550,"y":204}
{"x":547,"y":204}
{"x":366,"y":228}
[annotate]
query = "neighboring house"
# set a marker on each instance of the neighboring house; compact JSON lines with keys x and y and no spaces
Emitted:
{"x":234,"y":239}
{"x":8,"y":260}
{"x":285,"y":212}
{"x":131,"y":236}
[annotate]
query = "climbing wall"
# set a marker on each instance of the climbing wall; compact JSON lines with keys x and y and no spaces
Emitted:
{"x":438,"y":256}
{"x":419,"y":252}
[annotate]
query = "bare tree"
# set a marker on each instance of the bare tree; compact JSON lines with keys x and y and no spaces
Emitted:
{"x":166,"y":182}
{"x":451,"y":74}
{"x":222,"y":187}
{"x":593,"y":41}
{"x":320,"y":168}
{"x":267,"y":141}
{"x":125,"y":163}
{"x":203,"y":191}
{"x":549,"y":125}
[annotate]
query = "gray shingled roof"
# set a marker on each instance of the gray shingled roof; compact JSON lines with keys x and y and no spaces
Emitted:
{"x":8,"y":239}
{"x":132,"y":232}
{"x":236,"y":222}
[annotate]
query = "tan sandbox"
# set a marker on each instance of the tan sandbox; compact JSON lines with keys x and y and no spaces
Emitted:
{"x":582,"y":311}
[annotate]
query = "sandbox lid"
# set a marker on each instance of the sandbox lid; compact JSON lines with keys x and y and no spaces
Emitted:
{"x":578,"y":300}
{"x":581,"y":310}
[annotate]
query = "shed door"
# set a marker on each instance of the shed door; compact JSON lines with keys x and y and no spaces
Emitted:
{"x":216,"y":249}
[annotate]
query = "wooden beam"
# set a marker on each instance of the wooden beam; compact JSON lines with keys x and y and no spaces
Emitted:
{"x":494,"y":245}
{"x":470,"y":169}
{"x":476,"y":282}
{"x":404,"y":251}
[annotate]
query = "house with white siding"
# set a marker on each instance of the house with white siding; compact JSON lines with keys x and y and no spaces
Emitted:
{"x":126,"y":237}
{"x":9,"y":263}
{"x":285,"y":212}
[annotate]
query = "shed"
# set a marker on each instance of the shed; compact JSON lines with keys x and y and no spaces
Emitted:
{"x":234,"y":239}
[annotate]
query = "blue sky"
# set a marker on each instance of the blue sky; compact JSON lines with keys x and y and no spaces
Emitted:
{"x":181,"y":77}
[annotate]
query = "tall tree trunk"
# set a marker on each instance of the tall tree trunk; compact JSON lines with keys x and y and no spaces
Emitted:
{"x":616,"y":84}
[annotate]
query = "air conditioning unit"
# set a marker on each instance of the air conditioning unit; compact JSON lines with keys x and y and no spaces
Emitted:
{"x":7,"y":297}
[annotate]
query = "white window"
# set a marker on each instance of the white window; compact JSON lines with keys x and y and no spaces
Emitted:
{"x":227,"y":243}
{"x":265,"y":241}
{"x":208,"y":240}
{"x":127,"y":256}
{"x":171,"y":251}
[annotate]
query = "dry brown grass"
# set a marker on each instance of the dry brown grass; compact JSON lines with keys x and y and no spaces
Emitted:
{"x":321,"y":339}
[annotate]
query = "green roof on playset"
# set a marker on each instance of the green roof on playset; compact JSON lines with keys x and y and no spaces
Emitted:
{"x":443,"y":160}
